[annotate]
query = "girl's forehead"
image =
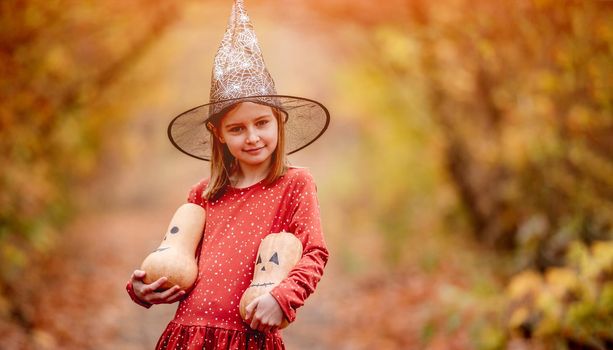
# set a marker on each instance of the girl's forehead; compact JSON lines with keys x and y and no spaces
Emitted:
{"x":246,"y":111}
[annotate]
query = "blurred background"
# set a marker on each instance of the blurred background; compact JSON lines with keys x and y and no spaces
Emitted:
{"x":465,"y":181}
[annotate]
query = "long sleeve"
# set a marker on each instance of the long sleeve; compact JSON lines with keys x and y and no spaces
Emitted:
{"x":301,"y":281}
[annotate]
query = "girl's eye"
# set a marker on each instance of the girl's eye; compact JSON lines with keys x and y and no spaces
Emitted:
{"x":262,"y":122}
{"x":235,"y":129}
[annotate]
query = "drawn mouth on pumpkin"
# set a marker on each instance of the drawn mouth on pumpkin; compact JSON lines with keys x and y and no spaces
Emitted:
{"x":261,"y":284}
{"x":161,"y":249}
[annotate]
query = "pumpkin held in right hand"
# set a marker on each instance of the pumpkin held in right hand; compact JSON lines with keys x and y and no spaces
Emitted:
{"x":277,"y":255}
{"x":175,"y":257}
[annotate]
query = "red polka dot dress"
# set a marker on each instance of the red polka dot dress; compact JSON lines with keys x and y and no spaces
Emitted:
{"x":236,"y":222}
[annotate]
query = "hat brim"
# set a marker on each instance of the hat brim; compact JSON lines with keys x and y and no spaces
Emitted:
{"x":306,"y":121}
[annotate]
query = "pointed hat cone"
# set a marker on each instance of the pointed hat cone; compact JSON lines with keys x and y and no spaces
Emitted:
{"x":239,"y":75}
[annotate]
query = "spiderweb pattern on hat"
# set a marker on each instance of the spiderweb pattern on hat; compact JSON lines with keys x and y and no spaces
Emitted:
{"x":240,"y":74}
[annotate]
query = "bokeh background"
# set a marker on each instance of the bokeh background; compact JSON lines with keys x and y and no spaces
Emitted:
{"x":465,"y":182}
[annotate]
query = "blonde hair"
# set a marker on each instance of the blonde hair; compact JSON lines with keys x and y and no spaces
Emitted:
{"x":223,"y":163}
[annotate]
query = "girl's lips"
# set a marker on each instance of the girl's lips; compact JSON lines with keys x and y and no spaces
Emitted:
{"x":253,"y":150}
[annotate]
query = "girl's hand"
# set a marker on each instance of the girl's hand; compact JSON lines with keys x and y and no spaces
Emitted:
{"x":264,"y":313}
{"x":147,"y":293}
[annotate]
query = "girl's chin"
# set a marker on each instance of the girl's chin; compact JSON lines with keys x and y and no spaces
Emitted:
{"x":253,"y":160}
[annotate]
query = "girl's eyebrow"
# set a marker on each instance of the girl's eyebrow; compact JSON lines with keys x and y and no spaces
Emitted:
{"x":256,"y":119}
{"x":263,"y":116}
{"x":233,"y":125}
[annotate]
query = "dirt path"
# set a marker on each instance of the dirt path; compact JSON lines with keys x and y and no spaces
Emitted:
{"x":389,"y":311}
{"x":115,"y":241}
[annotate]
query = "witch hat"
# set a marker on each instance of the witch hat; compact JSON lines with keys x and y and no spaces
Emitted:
{"x":240,"y":75}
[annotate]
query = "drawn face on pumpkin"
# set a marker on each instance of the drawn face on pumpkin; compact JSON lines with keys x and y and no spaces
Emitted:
{"x":174,"y":230}
{"x":266,"y":267}
{"x":277,"y":255}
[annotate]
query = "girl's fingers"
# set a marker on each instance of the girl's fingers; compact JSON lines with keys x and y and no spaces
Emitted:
{"x":163,"y":296}
{"x":249,"y":309}
{"x":175,"y":296}
{"x":260,"y":325}
{"x":168,"y":296}
{"x":136,"y":278}
{"x":255,"y":323}
{"x":138,"y":275}
{"x":157,"y":284}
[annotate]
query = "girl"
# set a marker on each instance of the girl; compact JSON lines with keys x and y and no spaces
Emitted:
{"x":252,"y":192}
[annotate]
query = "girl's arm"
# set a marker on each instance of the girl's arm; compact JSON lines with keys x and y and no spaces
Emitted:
{"x":301,"y":281}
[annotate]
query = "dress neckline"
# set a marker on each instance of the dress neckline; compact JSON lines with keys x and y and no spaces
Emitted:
{"x":240,"y":189}
{"x":246,"y":188}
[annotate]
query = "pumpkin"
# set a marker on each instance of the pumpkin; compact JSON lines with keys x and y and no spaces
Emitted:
{"x":277,"y":255}
{"x":175,"y":257}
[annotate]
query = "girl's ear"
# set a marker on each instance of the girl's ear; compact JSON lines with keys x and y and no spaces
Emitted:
{"x":215,"y":132}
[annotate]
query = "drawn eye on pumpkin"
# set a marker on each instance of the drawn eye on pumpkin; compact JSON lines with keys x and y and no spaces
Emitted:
{"x":274,"y":258}
{"x":173,"y":230}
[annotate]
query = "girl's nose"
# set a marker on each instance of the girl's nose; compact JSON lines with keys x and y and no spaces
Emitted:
{"x":252,"y":137}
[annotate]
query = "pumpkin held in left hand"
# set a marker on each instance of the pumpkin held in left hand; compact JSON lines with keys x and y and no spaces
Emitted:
{"x":175,"y":257}
{"x":277,"y":255}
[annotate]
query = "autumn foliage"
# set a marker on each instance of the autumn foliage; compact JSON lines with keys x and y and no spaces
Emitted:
{"x":506,"y":105}
{"x":567,"y":306}
{"x":56,"y":59}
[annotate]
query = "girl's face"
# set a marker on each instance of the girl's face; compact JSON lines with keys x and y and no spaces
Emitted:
{"x":250,"y":132}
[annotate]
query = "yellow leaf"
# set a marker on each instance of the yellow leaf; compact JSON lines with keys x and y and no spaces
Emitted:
{"x":524,"y":283}
{"x":518,"y":317}
{"x":561,"y":280}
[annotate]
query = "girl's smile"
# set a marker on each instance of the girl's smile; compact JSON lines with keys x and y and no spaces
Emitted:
{"x":254,"y":150}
